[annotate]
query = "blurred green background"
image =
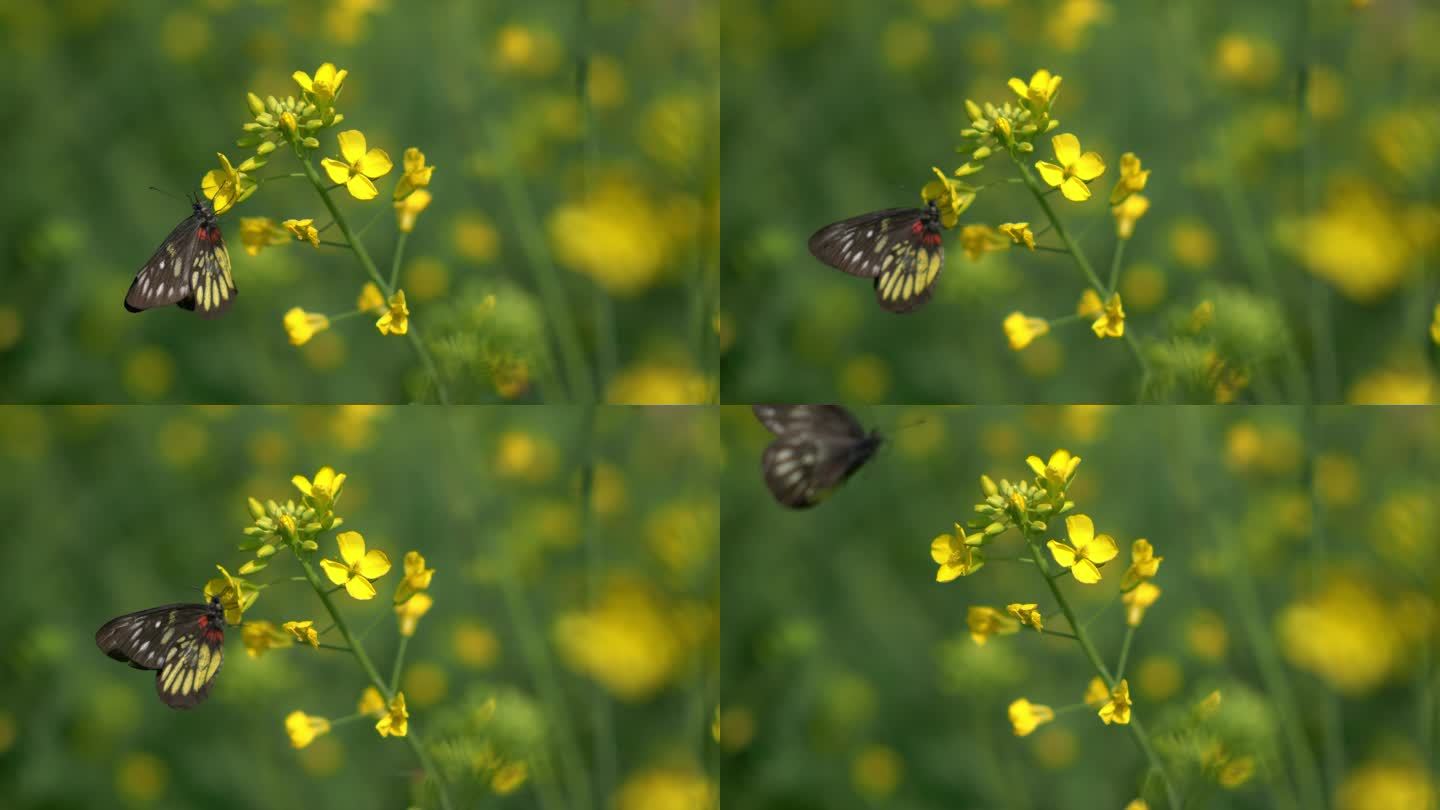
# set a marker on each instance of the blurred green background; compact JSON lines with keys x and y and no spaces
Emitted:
{"x":1322,"y":226}
{"x":612,"y":190}
{"x":1300,"y":573}
{"x":594,"y":630}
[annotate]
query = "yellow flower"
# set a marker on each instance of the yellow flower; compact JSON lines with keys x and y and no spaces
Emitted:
{"x":977,"y":240}
{"x":1143,"y":564}
{"x":227,"y":185}
{"x":235,"y":594}
{"x":1090,"y":304}
{"x":1022,"y":330}
{"x":411,"y":610}
{"x":1073,"y":170}
{"x":1435,"y":325}
{"x":360,"y":167}
{"x":1019,"y":233}
{"x":1096,"y":692}
{"x":302,"y":325}
{"x":1132,"y":178}
{"x":951,"y":197}
{"x":955,"y":557}
{"x":509,"y":778}
{"x":1138,"y":600}
{"x":324,"y":86}
{"x":1056,"y":473}
{"x":261,"y":636}
{"x":304,"y":230}
{"x":408,"y":209}
{"x":370,"y":299}
{"x":304,"y":728}
{"x":1085,"y":552}
{"x":1117,"y":710}
{"x":1040,"y":92}
{"x":1128,"y":213}
{"x":417,"y":174}
{"x":1027,"y":613}
{"x":257,"y":233}
{"x":1112,"y":322}
{"x":1026,"y":716}
{"x":371,"y":702}
{"x":359,"y":568}
{"x":396,"y":320}
{"x":985,"y":622}
{"x":395,"y":722}
{"x":417,"y":577}
{"x":1138,"y":804}
{"x":304,"y":631}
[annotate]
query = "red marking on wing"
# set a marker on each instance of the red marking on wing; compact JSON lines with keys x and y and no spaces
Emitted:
{"x":204,"y":620}
{"x":917,"y":227}
{"x":214,"y":635}
{"x":204,"y":234}
{"x":931,"y":239}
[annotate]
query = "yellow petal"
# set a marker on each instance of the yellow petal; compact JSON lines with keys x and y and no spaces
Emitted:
{"x":1052,"y":175}
{"x":339,"y":79}
{"x":415,"y":563}
{"x":352,"y":546}
{"x":1081,"y":530}
{"x":1063,"y":554}
{"x":302,"y":79}
{"x":1089,"y":166}
{"x":1067,"y":148}
{"x":1075,"y":190}
{"x":352,"y":145}
{"x":415,"y":160}
{"x":1101,"y":550}
{"x":326,"y":73}
{"x":940,"y":549}
{"x":360,"y":588}
{"x":1084,"y":571}
{"x":338,"y":574}
{"x":361,"y":188}
{"x":375,"y":564}
{"x":377,"y":164}
{"x":339,"y":172}
{"x":1036,"y":464}
{"x":1020,"y":88}
{"x":947,"y":573}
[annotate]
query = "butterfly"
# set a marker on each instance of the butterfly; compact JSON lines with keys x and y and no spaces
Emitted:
{"x":191,"y":269}
{"x":817,"y":447}
{"x":183,"y":643}
{"x":900,"y":248}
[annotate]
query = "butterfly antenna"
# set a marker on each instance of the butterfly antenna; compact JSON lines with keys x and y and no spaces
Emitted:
{"x":166,"y":193}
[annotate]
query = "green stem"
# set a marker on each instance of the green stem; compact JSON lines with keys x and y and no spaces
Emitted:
{"x":603,"y":742}
{"x":412,"y":736}
{"x":334,"y":647}
{"x":1125,"y":650}
{"x":399,"y":663}
{"x":1137,"y":731}
{"x":368,"y":265}
{"x":1115,"y":266}
{"x":395,"y":261}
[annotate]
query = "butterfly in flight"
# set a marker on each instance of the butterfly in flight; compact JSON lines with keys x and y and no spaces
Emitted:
{"x":183,"y":643}
{"x":190,"y":269}
{"x":900,"y":248}
{"x":817,"y":447}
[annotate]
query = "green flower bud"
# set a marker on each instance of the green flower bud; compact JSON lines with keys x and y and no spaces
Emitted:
{"x":256,"y":105}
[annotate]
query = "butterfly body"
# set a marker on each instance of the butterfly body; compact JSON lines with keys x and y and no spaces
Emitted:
{"x":901,"y":249}
{"x":183,"y":643}
{"x":816,"y":449}
{"x":190,"y":269}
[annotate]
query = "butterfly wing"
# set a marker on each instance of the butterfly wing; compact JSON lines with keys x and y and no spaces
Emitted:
{"x":191,"y":269}
{"x":191,"y":665}
{"x":163,"y":279}
{"x":183,"y":643}
{"x":900,"y":248}
{"x":817,"y":448}
{"x":780,"y":419}
{"x":212,"y":288}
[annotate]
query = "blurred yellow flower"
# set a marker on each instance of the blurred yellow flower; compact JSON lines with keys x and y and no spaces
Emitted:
{"x":408,"y":209}
{"x":530,"y":51}
{"x":261,"y":636}
{"x":1388,"y":784}
{"x":1345,"y":633}
{"x":1039,"y":93}
{"x":301,"y":325}
{"x":1097,"y":694}
{"x":955,"y":557}
{"x":324,"y":86}
{"x":1138,"y":804}
{"x":1129,"y":212}
{"x":1027,"y":613}
{"x":977,"y":240}
{"x":667,"y":788}
{"x":304,"y":728}
{"x":141,"y":777}
{"x":257,"y":233}
{"x":371,"y":702}
{"x":1138,"y":600}
{"x":1056,"y":473}
{"x":475,"y":645}
{"x":605,"y":83}
{"x":396,"y":320}
{"x":235,"y":594}
{"x":1435,"y":325}
{"x":876,"y":771}
{"x":475,"y":236}
{"x":985,"y":622}
{"x":1021,"y":330}
{"x":370,"y":299}
{"x":1085,"y":552}
{"x":627,"y":640}
{"x":1074,"y":169}
{"x":610,"y":236}
{"x":950,"y":196}
{"x":1089,"y":305}
{"x":417,"y":577}
{"x":410,"y":611}
{"x":1019,"y":233}
{"x":1025,"y":716}
{"x":360,"y":166}
{"x":323,"y":491}
{"x":1117,"y":710}
{"x":1111,"y":322}
{"x":304,"y":632}
{"x":416,"y":173}
{"x":359,"y":568}
{"x":226,"y":186}
{"x":660,"y":383}
{"x":303,"y":230}
{"x":1244,"y":59}
{"x":509,"y":777}
{"x":395,"y":722}
{"x":1143,"y":564}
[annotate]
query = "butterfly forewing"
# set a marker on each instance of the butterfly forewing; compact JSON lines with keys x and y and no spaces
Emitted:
{"x":183,"y":643}
{"x":816,"y":449}
{"x":191,"y":269}
{"x":900,"y":248}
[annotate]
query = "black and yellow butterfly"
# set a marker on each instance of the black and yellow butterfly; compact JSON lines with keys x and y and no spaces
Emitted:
{"x":183,"y":643}
{"x":900,"y":248}
{"x":817,"y":447}
{"x":190,"y":269}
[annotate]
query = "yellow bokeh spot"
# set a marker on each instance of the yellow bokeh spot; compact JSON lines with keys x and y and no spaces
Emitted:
{"x":323,"y":757}
{"x":1206,"y":636}
{"x":149,"y":372}
{"x":425,"y":684}
{"x":907,"y":44}
{"x":141,"y":777}
{"x":1393,"y":387}
{"x":184,"y":36}
{"x":864,"y":378}
{"x":475,"y":645}
{"x":526,"y":50}
{"x":11,"y":328}
{"x":9,"y":731}
{"x":668,"y":788}
{"x":523,"y":455}
{"x":1143,"y":287}
{"x":605,"y":83}
{"x":1387,"y":785}
{"x":1056,"y":747}
{"x":268,"y":448}
{"x":876,"y":771}
{"x":426,"y":279}
{"x":920,"y":432}
{"x":1337,"y":479}
{"x":1042,"y":359}
{"x":1193,"y":243}
{"x":1244,"y":59}
{"x":182,"y":442}
{"x":660,"y":383}
{"x":325,"y":351}
{"x":608,"y":495}
{"x":610,"y":236}
{"x":674,"y":129}
{"x":1158,"y":678}
{"x":475,"y":237}
{"x":737,"y":728}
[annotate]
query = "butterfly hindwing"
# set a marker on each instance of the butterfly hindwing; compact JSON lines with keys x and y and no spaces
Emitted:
{"x":817,"y":448}
{"x":900,"y":248}
{"x":183,"y":643}
{"x":190,"y":269}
